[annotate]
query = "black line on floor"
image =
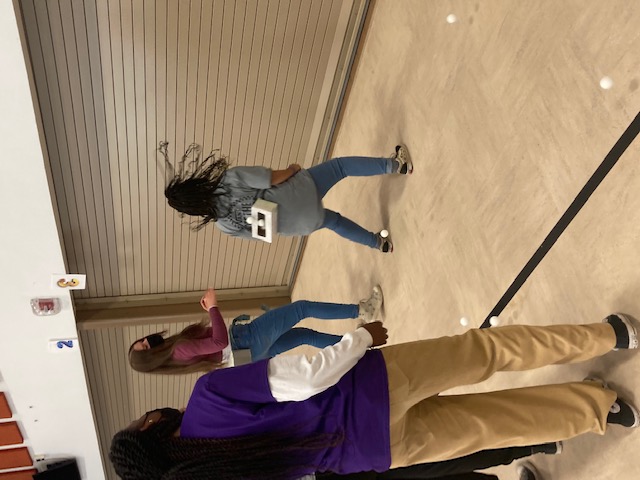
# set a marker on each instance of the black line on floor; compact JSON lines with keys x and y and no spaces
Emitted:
{"x":601,"y":172}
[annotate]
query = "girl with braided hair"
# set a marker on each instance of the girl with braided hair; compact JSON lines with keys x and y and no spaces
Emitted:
{"x":351,"y":409}
{"x":205,"y":347}
{"x":210,"y":189}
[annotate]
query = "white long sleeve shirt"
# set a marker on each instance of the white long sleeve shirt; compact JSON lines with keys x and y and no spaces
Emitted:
{"x":297,"y":377}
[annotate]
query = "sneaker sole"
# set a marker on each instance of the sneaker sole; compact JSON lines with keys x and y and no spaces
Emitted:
{"x":636,"y":416}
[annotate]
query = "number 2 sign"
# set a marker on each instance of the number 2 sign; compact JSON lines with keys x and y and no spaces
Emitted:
{"x":63,"y":345}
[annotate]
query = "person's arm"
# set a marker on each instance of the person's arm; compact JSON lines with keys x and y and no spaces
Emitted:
{"x":281,"y":176}
{"x":296,"y":377}
{"x":216,"y":342}
{"x":219,"y":334}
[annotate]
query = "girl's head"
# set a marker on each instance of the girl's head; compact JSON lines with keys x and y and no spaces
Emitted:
{"x":149,"y":449}
{"x":191,"y":189}
{"x":138,"y":451}
{"x":148,"y":342}
{"x":154,"y":353}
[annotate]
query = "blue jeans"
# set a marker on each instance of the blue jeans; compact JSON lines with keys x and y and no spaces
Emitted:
{"x":273,"y":333}
{"x":327,"y":174}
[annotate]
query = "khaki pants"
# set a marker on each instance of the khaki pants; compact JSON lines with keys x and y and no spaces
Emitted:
{"x":426,"y":427}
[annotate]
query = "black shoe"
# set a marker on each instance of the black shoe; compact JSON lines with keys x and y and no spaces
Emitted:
{"x":526,"y":471}
{"x":626,"y":335}
{"x":384,"y":243}
{"x":623,"y":413}
{"x":554,"y":448}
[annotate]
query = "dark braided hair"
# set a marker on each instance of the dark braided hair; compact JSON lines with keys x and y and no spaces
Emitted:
{"x":191,"y":190}
{"x":147,"y":455}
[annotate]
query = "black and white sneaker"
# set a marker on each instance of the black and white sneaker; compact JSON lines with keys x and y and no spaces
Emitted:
{"x":623,"y":413}
{"x":626,"y":334}
{"x":384,"y":244}
{"x":526,"y":471}
{"x":401,"y":156}
{"x":369,"y":309}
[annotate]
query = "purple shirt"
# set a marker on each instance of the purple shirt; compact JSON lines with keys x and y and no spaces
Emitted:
{"x":237,"y":401}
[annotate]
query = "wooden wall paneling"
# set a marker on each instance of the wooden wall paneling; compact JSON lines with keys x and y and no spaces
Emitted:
{"x":240,"y":51}
{"x":315,"y":17}
{"x":77,"y":50}
{"x":196,"y":39}
{"x":104,"y":11}
{"x":161,"y":80}
{"x":172,"y":226}
{"x":124,"y":63}
{"x":184,"y":63}
{"x":141,"y":154}
{"x":43,"y":60}
{"x":211,"y":236}
{"x":198,"y":113}
{"x":221,"y":243}
{"x":65,"y":51}
{"x":147,"y":149}
{"x":97,"y":395}
{"x":115,"y":33}
{"x":323,"y":37}
{"x":100,"y":149}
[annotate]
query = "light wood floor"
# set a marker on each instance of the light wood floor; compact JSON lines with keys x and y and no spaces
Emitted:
{"x":505,"y":119}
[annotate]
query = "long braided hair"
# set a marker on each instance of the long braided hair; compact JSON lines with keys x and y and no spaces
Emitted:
{"x":156,"y":454}
{"x":159,"y":359}
{"x":191,"y":190}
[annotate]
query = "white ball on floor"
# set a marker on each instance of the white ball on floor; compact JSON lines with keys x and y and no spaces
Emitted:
{"x":451,"y":18}
{"x":261,"y":223}
{"x":464,"y":321}
{"x":249,"y":220}
{"x":494,"y":321}
{"x":606,"y":83}
{"x":384,"y":233}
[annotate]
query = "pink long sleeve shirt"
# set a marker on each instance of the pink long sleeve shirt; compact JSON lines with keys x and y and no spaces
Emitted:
{"x":212,"y":345}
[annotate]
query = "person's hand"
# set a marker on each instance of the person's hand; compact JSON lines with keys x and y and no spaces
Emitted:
{"x":295,"y":168}
{"x":377,"y":332}
{"x":209,"y":299}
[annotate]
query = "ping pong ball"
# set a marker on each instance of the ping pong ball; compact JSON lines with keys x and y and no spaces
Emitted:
{"x":606,"y":83}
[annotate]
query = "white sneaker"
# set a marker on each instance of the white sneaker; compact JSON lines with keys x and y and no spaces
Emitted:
{"x":369,"y":309}
{"x":401,"y":155}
